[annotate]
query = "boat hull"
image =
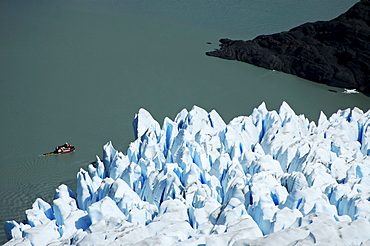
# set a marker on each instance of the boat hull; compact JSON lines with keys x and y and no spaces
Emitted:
{"x":69,"y":150}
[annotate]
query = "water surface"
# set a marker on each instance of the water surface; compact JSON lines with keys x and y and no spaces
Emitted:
{"x":78,"y":71}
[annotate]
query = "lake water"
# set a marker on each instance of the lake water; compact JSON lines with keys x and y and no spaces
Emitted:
{"x":79,"y":70}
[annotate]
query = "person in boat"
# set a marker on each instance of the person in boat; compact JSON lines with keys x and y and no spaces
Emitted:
{"x":67,"y":145}
{"x":63,"y":147}
{"x":58,"y":149}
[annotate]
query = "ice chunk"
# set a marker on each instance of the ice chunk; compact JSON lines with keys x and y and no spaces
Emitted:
{"x":216,"y":121}
{"x":166,"y":186}
{"x":232,"y":212}
{"x":99,"y":167}
{"x":294,"y":181}
{"x":191,"y":174}
{"x":318,"y":176}
{"x":132,"y":176}
{"x":309,"y":201}
{"x":149,"y":148}
{"x":338,"y":169}
{"x":169,"y":132}
{"x":139,"y":216}
{"x":144,"y":122}
{"x":196,"y":119}
{"x":76,"y":220}
{"x":355,"y":233}
{"x":173,"y":210}
{"x":263,"y":212}
{"x":161,"y":232}
{"x":13,"y":230}
{"x":40,"y":213}
{"x":182,"y":139}
{"x":42,"y":234}
{"x":266,"y":164}
{"x":285,"y":218}
{"x":103,"y":189}
{"x":203,"y":216}
{"x":233,"y":182}
{"x":18,"y":242}
{"x":246,"y":226}
{"x":85,"y":189}
{"x":121,"y":190}
{"x":64,"y":204}
{"x":180,"y":118}
{"x":95,"y":176}
{"x":109,"y":155}
{"x":220,"y":165}
{"x":105,"y":209}
{"x":118,"y":165}
{"x":129,"y":202}
{"x":133,"y":150}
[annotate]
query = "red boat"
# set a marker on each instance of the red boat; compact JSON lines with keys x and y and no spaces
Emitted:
{"x":62,"y":149}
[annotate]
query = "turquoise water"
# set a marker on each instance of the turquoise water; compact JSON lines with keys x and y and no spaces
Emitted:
{"x":78,"y":71}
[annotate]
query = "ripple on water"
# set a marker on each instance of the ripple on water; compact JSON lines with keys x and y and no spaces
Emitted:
{"x":29,"y":179}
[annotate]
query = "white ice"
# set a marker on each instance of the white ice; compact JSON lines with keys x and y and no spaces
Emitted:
{"x":271,"y":178}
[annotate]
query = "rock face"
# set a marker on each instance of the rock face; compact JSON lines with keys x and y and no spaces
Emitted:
{"x":335,"y":52}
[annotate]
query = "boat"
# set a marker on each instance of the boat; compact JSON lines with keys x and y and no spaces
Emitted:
{"x":350,"y":91}
{"x":62,"y":149}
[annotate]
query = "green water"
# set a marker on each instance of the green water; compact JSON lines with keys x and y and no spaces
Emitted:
{"x":78,"y":71}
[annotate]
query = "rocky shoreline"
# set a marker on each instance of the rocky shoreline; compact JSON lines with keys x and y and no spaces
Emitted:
{"x":335,"y":52}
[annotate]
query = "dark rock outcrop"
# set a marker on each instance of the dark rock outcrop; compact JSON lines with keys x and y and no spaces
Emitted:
{"x":335,"y":52}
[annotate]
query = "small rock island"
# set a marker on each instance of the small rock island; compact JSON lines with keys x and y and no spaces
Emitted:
{"x":335,"y":52}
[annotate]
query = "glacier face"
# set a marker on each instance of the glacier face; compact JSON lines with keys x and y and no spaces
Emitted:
{"x":268,"y":178}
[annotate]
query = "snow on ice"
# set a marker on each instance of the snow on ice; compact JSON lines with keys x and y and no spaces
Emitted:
{"x":271,"y":178}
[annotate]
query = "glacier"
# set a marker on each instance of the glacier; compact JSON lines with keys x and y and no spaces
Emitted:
{"x":272,"y":177}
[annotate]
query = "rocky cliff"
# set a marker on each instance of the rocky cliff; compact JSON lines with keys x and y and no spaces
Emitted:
{"x":335,"y":52}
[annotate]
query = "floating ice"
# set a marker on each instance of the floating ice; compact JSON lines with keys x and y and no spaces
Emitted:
{"x":268,"y":178}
